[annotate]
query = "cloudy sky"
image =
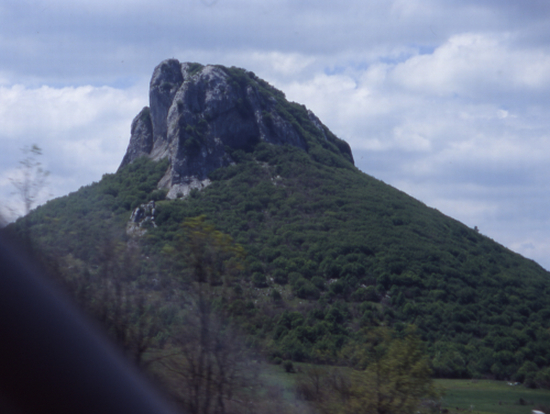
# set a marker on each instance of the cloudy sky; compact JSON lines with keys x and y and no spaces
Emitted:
{"x":447,"y":100}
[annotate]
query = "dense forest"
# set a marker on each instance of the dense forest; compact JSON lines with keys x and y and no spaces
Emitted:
{"x":329,"y":254}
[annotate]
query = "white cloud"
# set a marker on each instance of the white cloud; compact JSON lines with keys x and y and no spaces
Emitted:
{"x":82,"y":131}
{"x":477,"y":66}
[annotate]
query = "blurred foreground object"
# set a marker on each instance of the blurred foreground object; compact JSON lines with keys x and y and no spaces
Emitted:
{"x":53,"y":360}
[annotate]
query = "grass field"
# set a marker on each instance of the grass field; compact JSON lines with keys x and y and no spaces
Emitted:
{"x":276,"y":380}
{"x":484,"y":396}
{"x":460,"y":396}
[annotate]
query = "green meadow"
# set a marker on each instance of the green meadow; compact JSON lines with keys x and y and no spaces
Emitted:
{"x":484,"y":396}
{"x":458,"y":396}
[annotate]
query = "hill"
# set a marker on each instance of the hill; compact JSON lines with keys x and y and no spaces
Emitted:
{"x":331,"y":252}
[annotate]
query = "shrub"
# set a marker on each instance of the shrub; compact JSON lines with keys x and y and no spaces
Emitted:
{"x":259,"y":280}
{"x":308,"y":291}
{"x":280,"y":277}
{"x":364,"y":294}
{"x":288,"y":366}
{"x":318,"y":282}
{"x":276,"y":296}
{"x":542,"y":379}
{"x":158,"y":195}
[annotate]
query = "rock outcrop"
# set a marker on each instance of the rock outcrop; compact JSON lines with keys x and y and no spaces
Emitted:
{"x":198,"y":115}
{"x":142,"y":217}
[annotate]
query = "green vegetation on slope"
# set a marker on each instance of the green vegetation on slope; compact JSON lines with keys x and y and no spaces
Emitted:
{"x":331,"y":253}
{"x":80,"y":222}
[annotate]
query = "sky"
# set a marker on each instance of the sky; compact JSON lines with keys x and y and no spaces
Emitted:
{"x":446,"y":100}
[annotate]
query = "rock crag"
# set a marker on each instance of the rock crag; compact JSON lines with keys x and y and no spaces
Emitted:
{"x":198,"y":115}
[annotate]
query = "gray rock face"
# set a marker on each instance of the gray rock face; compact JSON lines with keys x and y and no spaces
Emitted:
{"x":142,"y":218}
{"x":197,"y":112}
{"x":141,"y":139}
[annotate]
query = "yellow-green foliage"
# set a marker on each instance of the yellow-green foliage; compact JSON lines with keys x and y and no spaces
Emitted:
{"x":396,"y":380}
{"x":209,"y":255}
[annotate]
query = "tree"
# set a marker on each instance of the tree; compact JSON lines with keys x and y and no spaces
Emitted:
{"x":32,"y":177}
{"x":209,"y":257}
{"x":210,"y":370}
{"x":29,"y":183}
{"x":395,"y":380}
{"x":111,"y":297}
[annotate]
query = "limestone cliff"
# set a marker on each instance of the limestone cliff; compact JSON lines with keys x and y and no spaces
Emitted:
{"x":198,"y":115}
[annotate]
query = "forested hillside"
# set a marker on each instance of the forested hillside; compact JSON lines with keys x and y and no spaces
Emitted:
{"x":330,"y":254}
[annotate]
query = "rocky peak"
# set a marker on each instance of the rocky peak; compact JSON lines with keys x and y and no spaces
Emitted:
{"x":198,"y":115}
